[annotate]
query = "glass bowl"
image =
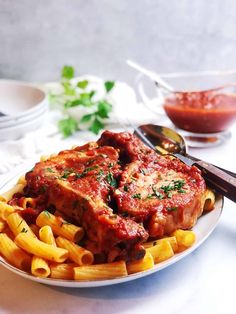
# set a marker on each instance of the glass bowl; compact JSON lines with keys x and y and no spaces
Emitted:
{"x":202,"y":107}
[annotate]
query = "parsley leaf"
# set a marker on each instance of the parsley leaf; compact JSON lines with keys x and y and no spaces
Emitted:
{"x":67,"y":126}
{"x":171,"y":209}
{"x":109,"y":85}
{"x":104,"y":108}
{"x":67,"y":72}
{"x":96,"y":126}
{"x":111,"y":180}
{"x":86,"y":118}
{"x":74,"y":94}
{"x":82,"y":84}
{"x":138,"y":195}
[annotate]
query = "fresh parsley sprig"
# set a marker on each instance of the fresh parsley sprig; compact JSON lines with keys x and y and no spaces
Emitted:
{"x":76,"y":94}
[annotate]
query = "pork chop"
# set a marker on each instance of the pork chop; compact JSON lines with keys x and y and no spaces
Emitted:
{"x":79,"y":183}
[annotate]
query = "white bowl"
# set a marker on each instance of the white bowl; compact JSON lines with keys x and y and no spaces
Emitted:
{"x":19,"y":99}
{"x":23,"y":119}
{"x":17,"y":131}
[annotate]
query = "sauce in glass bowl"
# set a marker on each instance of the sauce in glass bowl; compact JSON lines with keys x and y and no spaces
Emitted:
{"x":209,"y":111}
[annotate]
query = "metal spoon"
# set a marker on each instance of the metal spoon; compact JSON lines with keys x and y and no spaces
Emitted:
{"x":166,"y":141}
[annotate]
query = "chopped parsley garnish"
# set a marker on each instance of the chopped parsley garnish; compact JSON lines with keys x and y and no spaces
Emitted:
{"x":50,"y":170}
{"x":64,"y":223}
{"x":24,"y":230}
{"x":66,"y":174}
{"x":137,"y":195}
{"x":143,"y":171}
{"x":157,"y":194}
{"x":175,"y":185}
{"x":111,"y":180}
{"x":100,"y":175}
{"x":126,"y":188}
{"x":171,"y":209}
{"x":19,"y":223}
{"x":169,"y":194}
{"x":86,"y":170}
{"x":46,"y":213}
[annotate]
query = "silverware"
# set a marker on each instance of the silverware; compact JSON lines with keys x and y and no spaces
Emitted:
{"x":166,"y":141}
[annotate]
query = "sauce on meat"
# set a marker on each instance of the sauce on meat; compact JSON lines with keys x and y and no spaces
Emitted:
{"x":201,"y":112}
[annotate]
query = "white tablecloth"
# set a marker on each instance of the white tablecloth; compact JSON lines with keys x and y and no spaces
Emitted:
{"x":203,"y":282}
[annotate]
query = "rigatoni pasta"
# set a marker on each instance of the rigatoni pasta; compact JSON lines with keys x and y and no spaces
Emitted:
{"x":147,"y":262}
{"x":2,"y":225}
{"x":41,"y":249}
{"x":101,"y":271}
{"x":5,"y":210}
{"x":60,"y":226}
{"x":46,"y":235}
{"x":40,"y":267}
{"x":13,"y":254}
{"x":62,"y":271}
{"x":18,"y":225}
{"x":161,"y":251}
{"x":77,"y":253}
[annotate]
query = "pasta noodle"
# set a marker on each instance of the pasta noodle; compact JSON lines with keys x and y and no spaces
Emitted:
{"x":13,"y":253}
{"x":2,"y":225}
{"x":144,"y":264}
{"x":18,"y":225}
{"x":40,"y":267}
{"x":161,"y":251}
{"x":62,"y":271}
{"x":209,"y":200}
{"x":172,"y":240}
{"x":77,"y":253}
{"x":28,"y":202}
{"x":5,"y":210}
{"x":46,"y":235}
{"x":101,"y":271}
{"x":60,"y":226}
{"x":41,"y":249}
{"x":185,"y":238}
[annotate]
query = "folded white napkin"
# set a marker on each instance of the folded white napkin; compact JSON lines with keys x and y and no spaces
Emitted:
{"x":126,"y":112}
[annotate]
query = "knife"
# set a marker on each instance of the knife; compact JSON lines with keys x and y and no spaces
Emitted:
{"x":222,"y":181}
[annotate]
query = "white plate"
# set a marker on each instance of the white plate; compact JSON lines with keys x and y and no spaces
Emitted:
{"x":202,"y":229}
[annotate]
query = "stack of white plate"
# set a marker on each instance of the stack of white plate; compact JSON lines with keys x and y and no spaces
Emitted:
{"x":23,"y":108}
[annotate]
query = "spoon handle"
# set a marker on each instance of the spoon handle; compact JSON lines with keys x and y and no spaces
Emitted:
{"x":217,"y":179}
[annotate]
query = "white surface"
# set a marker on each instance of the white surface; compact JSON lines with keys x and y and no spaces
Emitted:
{"x":203,"y":282}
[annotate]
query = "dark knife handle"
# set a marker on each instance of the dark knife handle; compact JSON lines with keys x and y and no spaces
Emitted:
{"x":217,"y":179}
{"x":194,"y":159}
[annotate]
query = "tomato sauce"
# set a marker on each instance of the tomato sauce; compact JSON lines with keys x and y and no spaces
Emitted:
{"x":201,"y":112}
